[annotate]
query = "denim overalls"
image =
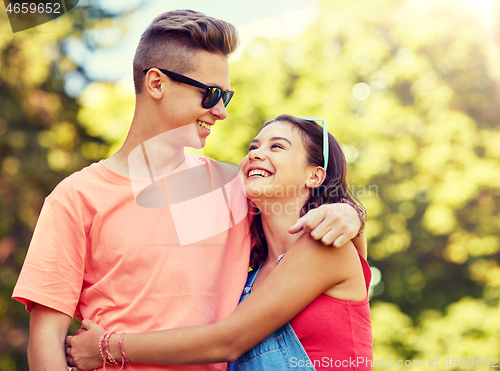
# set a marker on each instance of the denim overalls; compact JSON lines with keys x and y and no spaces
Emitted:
{"x":280,"y":351}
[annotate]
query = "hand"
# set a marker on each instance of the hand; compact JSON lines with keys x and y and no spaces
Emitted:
{"x":84,"y":347}
{"x":333,"y":224}
{"x":78,"y":331}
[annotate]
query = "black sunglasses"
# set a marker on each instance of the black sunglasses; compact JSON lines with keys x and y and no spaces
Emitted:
{"x":213,"y":94}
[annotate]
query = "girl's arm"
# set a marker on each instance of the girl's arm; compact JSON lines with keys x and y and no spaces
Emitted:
{"x":308,"y":269}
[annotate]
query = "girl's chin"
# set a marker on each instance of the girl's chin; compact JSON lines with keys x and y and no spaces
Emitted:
{"x":253,"y":194}
{"x":254,"y":190}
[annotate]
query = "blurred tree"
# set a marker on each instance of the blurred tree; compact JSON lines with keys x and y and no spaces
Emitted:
{"x":469,"y":329}
{"x":41,"y":142}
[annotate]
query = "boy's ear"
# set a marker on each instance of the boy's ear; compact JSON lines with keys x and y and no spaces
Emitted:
{"x":154,"y":85}
{"x":316,"y":177}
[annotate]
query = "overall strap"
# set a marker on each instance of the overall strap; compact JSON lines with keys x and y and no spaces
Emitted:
{"x":249,"y":284}
{"x":253,"y":275}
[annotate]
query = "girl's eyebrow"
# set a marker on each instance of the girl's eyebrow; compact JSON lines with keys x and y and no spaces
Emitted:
{"x":273,"y":138}
{"x":281,"y":138}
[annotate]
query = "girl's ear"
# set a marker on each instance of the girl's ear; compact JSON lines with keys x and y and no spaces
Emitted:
{"x":316,"y":177}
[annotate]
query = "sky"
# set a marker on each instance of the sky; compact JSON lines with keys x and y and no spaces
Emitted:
{"x":251,"y":18}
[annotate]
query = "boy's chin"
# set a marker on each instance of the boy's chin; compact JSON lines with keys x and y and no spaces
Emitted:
{"x":199,"y":145}
{"x":196,"y":142}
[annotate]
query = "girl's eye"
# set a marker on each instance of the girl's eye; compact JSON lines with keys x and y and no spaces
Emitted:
{"x":277,"y":145}
{"x":251,"y":148}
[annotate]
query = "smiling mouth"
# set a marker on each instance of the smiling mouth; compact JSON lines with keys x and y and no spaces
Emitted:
{"x":203,"y":124}
{"x":258,"y":173}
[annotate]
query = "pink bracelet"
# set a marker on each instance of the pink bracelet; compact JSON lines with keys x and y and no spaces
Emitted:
{"x":122,"y":352}
{"x":106,"y":355}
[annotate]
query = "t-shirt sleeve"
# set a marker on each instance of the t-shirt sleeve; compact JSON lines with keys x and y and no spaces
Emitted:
{"x":52,"y":273}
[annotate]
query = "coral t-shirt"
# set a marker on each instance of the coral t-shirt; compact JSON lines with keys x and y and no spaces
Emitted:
{"x":97,"y":254}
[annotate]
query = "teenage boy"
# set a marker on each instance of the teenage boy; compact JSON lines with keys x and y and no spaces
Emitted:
{"x":97,"y":254}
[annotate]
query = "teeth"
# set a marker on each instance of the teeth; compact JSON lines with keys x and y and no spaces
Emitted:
{"x":259,"y":172}
{"x":203,"y":124}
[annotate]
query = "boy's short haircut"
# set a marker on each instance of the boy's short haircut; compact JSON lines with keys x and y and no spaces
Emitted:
{"x":173,"y":38}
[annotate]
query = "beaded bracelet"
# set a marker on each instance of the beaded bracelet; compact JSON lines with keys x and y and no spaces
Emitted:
{"x":109,"y":358}
{"x":359,"y":212}
{"x":101,"y":339}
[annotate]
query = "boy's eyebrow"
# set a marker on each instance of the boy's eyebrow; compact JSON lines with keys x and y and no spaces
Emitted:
{"x":216,"y":85}
{"x":273,"y":138}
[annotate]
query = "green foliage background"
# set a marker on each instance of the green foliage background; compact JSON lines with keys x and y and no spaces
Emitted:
{"x":410,"y":89}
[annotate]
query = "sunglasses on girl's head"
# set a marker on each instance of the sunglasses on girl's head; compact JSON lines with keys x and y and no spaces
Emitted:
{"x":213,"y":94}
{"x":325,"y":137}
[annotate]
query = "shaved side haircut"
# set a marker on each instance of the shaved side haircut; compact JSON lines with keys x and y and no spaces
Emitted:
{"x":173,"y":38}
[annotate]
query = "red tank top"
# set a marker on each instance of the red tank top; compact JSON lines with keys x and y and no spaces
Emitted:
{"x":337,"y":334}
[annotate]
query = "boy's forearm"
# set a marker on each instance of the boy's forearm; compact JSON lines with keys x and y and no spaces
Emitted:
{"x":48,"y":329}
{"x":46,"y":354}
